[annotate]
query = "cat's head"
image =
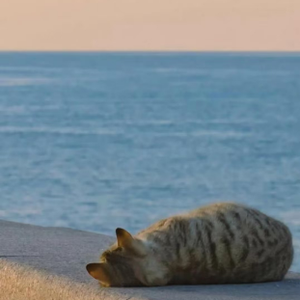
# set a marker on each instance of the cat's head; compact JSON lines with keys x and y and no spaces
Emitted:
{"x":120,"y":265}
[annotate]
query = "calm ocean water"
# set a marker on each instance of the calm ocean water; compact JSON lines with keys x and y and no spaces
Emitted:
{"x":96,"y":141}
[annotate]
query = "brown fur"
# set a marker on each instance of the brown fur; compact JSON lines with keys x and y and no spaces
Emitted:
{"x":219,"y":243}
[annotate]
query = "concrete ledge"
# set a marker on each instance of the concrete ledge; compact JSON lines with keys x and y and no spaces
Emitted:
{"x":65,"y":252}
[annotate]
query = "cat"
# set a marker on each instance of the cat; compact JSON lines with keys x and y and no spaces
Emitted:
{"x":215,"y":244}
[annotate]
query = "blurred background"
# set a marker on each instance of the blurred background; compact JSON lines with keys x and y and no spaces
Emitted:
{"x":95,"y":141}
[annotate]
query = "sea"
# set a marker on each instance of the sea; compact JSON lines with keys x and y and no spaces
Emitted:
{"x":100,"y":140}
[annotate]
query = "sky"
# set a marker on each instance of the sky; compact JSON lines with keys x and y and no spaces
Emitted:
{"x":150,"y":25}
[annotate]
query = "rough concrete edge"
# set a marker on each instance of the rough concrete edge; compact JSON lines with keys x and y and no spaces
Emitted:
{"x":102,"y":293}
{"x":51,"y":227}
{"x":105,"y":293}
{"x":296,"y":274}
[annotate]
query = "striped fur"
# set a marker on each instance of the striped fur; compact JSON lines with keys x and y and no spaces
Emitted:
{"x":219,"y":243}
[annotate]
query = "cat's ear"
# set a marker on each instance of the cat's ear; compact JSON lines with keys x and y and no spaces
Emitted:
{"x":100,"y":272}
{"x":125,"y":239}
{"x":128,"y":242}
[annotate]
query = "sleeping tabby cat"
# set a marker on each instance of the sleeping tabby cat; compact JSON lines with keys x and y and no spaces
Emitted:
{"x":219,"y":243}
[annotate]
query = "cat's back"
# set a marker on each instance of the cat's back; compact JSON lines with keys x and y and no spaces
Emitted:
{"x":224,"y":242}
{"x":249,"y":245}
{"x":239,"y":221}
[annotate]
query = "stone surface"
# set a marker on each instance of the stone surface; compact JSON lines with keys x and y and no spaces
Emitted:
{"x":65,"y":252}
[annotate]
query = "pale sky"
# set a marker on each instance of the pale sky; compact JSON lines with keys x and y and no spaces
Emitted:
{"x":196,"y":25}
